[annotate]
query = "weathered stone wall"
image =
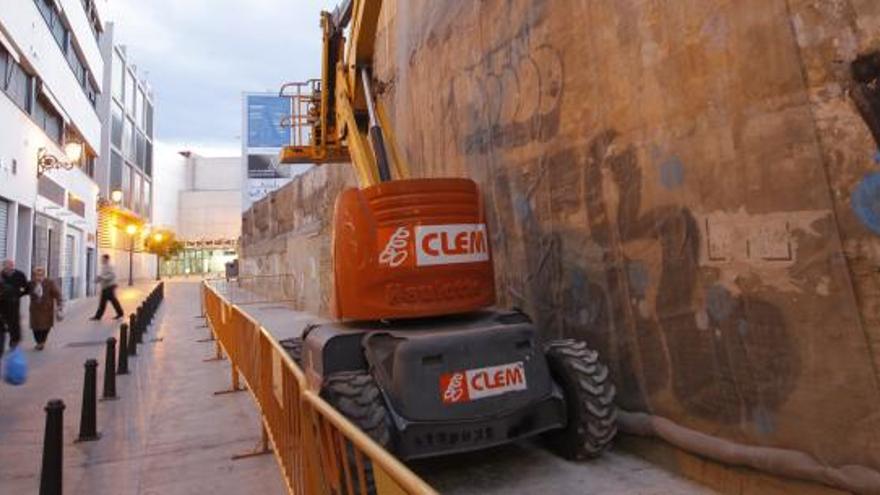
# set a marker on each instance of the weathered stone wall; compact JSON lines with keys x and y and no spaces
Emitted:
{"x":688,"y":185}
{"x":286,"y":240}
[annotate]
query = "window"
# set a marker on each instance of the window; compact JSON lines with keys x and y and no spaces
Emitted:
{"x":139,"y":108}
{"x":141,"y":150}
{"x":19,"y":86}
{"x":77,"y":65}
{"x":47,"y":118}
{"x":63,"y":37}
{"x":59,"y":32}
{"x":118,"y":75}
{"x":46,"y":8}
{"x":127,"y":137}
{"x":148,"y":160}
{"x":116,"y":164}
{"x":148,"y":198}
{"x":132,"y":150}
{"x":136,"y":192}
{"x":126,"y":186}
{"x":88,"y":164}
{"x":116,"y":125}
{"x":76,"y":205}
{"x":92,"y":92}
{"x":5,"y":60}
{"x":149,"y":117}
{"x":129,"y":92}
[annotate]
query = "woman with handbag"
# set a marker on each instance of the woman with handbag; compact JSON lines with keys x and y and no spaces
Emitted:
{"x":44,"y":297}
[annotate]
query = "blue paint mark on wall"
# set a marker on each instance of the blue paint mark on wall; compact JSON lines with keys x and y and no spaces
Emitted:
{"x":719,"y":303}
{"x":764,"y":422}
{"x":865,"y":202}
{"x":672,"y":173}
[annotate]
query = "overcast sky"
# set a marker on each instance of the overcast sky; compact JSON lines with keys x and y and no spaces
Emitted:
{"x":200,"y":55}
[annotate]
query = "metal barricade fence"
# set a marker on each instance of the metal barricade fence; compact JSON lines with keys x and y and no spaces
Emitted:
{"x":318,"y":450}
{"x":255,"y":289}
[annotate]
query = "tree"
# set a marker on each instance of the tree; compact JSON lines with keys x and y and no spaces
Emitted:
{"x":164,"y":244}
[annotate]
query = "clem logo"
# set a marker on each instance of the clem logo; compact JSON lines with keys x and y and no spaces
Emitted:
{"x":451,"y":244}
{"x":469,"y":385}
{"x":432,"y":245}
{"x":396,"y":250}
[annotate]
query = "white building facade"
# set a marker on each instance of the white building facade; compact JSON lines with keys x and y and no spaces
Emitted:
{"x":50,"y":137}
{"x":209,"y":214}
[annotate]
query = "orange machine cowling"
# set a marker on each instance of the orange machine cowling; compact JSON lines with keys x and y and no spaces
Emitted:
{"x":411,"y":248}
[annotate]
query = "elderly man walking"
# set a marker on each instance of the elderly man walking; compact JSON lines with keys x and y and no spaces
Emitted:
{"x":13,"y":285}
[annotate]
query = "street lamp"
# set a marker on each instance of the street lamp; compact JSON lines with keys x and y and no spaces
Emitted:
{"x":47,"y":161}
{"x":131,"y":230}
{"x":157,"y":239}
{"x":116,"y":196}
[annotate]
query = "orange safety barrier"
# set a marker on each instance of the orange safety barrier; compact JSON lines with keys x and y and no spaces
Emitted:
{"x":318,"y":450}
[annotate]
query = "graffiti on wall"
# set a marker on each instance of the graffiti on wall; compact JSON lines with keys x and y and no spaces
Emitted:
{"x":643,"y":298}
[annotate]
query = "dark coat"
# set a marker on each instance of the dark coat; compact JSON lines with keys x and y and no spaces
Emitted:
{"x":13,"y":285}
{"x":43,"y":308}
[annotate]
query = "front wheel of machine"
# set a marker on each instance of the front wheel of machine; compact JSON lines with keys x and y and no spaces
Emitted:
{"x":589,"y":399}
{"x":356,"y":395}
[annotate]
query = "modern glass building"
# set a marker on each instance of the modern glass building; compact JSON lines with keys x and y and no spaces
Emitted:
{"x":125,"y":170}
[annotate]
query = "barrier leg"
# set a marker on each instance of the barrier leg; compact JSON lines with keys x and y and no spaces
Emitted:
{"x":261,"y":449}
{"x":218,"y":354}
{"x":236,"y":384}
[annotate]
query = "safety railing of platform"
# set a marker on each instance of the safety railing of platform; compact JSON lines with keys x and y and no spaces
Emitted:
{"x":318,"y":450}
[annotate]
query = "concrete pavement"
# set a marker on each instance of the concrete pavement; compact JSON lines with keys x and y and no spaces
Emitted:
{"x":166,"y":434}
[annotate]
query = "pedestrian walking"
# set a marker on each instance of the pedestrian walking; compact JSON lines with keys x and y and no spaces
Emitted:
{"x":46,"y":303}
{"x":107,"y":279}
{"x":13,"y":285}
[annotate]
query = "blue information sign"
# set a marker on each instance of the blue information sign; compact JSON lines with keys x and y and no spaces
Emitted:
{"x":265,"y":114}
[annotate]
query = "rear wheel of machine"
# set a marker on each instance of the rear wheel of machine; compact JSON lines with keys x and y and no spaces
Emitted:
{"x":589,"y":399}
{"x":294,"y":348}
{"x":356,"y":395}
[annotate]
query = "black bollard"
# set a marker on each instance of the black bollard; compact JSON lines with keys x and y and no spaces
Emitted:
{"x":110,"y":370}
{"x":135,"y":336}
{"x":88,"y":421}
{"x":132,"y":336}
{"x":122,"y":365}
{"x":53,"y":448}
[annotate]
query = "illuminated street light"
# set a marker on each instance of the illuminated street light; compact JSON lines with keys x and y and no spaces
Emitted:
{"x":131,"y":230}
{"x":74,"y":151}
{"x":116,"y":196}
{"x":158,"y":237}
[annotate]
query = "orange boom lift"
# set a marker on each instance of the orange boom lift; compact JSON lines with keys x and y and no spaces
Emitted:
{"x":419,"y":358}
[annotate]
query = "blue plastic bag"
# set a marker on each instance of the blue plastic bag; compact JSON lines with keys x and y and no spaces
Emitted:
{"x":15,"y":367}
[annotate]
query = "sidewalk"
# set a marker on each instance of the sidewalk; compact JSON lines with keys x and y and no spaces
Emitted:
{"x":166,"y":434}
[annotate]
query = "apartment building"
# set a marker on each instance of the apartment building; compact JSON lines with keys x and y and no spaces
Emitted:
{"x":52,"y":72}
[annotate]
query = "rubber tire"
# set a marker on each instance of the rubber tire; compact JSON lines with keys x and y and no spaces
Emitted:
{"x":356,"y":395}
{"x":589,"y":399}
{"x":294,"y":348}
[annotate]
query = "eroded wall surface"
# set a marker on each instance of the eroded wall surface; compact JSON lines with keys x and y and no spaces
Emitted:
{"x":691,"y":186}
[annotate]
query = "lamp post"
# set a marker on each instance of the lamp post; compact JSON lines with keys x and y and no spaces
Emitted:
{"x":131,"y":230}
{"x":157,"y":239}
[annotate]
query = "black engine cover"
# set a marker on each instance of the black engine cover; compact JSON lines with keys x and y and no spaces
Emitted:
{"x":450,"y":384}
